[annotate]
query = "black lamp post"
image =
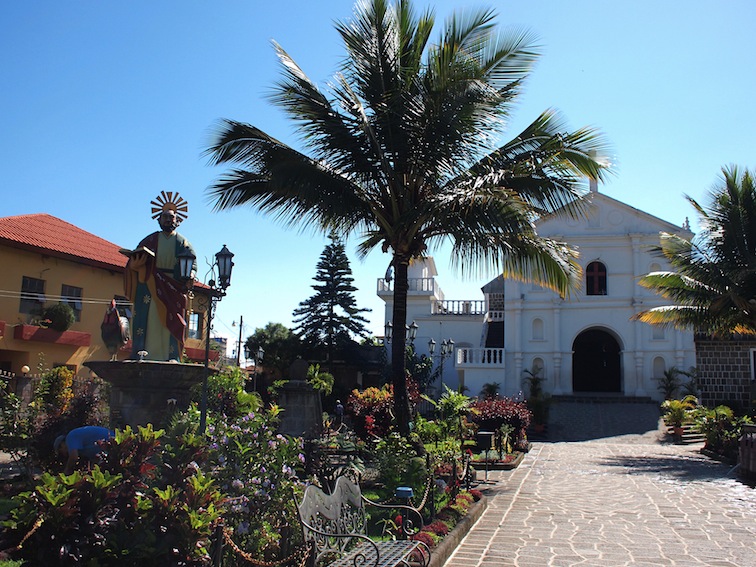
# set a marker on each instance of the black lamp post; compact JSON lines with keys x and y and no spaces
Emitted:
{"x":387,"y":331}
{"x":258,"y":360}
{"x":412,"y":332}
{"x":224,"y":264}
{"x":447,"y":348}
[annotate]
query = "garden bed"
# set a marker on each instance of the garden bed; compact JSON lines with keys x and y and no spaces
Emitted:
{"x":446,"y":547}
{"x":510,"y":461}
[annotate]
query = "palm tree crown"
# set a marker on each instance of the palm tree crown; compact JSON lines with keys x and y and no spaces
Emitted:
{"x":714,"y":282}
{"x":402,"y":151}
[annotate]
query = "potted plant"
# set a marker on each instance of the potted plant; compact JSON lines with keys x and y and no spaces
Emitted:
{"x":678,"y":412}
{"x":669,"y":383}
{"x":538,"y":401}
{"x":59,"y":317}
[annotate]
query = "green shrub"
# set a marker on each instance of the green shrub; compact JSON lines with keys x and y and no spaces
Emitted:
{"x":371,"y":410}
{"x":491,"y":415}
{"x":226,"y":394}
{"x":60,"y":316}
{"x":257,"y":468}
{"x":399,"y":464}
{"x":722,"y":430}
{"x":135,"y":508}
{"x":677,"y":412}
{"x":55,"y":389}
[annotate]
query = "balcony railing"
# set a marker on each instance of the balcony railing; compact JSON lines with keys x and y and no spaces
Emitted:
{"x":418,"y":286}
{"x":459,"y":307}
{"x":479,"y":357}
{"x":495,"y":316}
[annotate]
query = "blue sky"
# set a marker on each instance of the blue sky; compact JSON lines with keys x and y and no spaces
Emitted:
{"x":105,"y":104}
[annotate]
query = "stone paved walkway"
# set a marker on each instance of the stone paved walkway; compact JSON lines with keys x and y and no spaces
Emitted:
{"x":628,"y":500}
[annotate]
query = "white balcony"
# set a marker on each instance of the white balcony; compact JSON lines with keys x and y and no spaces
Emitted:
{"x":469,"y":358}
{"x":459,"y":307}
{"x":494,"y":316}
{"x":417,"y":286}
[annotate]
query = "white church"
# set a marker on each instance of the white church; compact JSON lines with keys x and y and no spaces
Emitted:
{"x":585,"y":344}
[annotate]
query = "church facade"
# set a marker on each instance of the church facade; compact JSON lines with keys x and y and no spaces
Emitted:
{"x":583,"y":344}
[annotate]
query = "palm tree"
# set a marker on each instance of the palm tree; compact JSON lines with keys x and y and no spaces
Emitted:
{"x":714,"y":282}
{"x":403,"y":154}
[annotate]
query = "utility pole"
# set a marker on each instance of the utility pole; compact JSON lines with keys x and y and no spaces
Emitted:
{"x":238,"y":345}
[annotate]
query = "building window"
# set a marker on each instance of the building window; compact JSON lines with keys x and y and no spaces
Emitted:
{"x":659,"y":367}
{"x":194,"y":330}
{"x":72,"y":295}
{"x":657,"y":333}
{"x":595,"y":279}
{"x":32,"y":295}
{"x":537,"y":329}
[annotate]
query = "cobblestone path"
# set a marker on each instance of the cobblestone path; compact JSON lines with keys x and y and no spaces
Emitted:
{"x":629,"y":500}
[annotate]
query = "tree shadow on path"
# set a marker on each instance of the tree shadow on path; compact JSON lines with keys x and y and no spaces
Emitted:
{"x":682,"y":467}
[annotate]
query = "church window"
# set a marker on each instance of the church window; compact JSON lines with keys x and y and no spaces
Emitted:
{"x":595,"y":275}
{"x":659,"y":367}
{"x":537,"y":329}
{"x":657,"y":333}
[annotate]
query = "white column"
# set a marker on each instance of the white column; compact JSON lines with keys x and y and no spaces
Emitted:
{"x":557,"y":340}
{"x":518,"y":355}
{"x":638,"y":348}
{"x":639,"y":386}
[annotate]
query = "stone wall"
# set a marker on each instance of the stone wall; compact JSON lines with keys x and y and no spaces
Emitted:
{"x":724,"y":371}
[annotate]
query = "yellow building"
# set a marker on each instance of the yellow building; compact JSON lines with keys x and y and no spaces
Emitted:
{"x":46,"y":261}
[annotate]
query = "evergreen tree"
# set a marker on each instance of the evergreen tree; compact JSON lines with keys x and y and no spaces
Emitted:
{"x":330,"y":318}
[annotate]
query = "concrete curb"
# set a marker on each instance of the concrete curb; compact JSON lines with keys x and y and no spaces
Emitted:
{"x":443,"y":550}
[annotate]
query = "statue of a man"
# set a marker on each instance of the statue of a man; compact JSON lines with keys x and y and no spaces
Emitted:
{"x":152,"y":282}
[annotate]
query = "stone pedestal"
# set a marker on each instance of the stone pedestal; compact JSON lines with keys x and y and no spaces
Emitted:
{"x":303,"y":410}
{"x":143,"y":392}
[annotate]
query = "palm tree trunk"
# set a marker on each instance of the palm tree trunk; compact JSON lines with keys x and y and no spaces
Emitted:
{"x":398,"y":344}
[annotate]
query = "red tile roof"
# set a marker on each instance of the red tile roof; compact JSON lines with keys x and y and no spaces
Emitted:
{"x":50,"y":235}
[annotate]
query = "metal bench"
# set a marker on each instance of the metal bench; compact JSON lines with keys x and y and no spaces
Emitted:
{"x":334,"y":529}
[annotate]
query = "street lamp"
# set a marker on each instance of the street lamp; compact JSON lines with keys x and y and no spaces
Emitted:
{"x":258,"y":360}
{"x":412,"y":329}
{"x":224,"y":264}
{"x":387,"y":331}
{"x":447,"y":348}
{"x":186,"y":260}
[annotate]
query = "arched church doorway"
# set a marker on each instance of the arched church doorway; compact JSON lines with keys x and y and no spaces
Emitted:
{"x":596,"y":362}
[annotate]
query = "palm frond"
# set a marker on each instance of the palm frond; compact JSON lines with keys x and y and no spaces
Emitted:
{"x":715,"y":281}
